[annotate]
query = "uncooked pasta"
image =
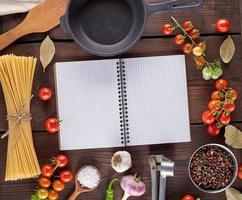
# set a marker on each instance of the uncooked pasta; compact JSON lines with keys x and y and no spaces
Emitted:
{"x":16,"y":77}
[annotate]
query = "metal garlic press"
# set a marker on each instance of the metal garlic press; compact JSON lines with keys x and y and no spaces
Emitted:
{"x":160,"y":168}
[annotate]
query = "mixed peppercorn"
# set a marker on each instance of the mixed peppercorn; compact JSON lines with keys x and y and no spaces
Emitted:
{"x":212,"y":168}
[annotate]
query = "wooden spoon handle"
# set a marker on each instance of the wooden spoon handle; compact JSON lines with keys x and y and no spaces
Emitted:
{"x":74,"y":195}
{"x":11,"y":36}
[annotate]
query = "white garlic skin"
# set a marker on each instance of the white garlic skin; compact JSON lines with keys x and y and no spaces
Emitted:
{"x":121,"y":161}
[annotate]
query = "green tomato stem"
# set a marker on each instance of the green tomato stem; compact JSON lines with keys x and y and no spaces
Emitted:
{"x":184,"y":31}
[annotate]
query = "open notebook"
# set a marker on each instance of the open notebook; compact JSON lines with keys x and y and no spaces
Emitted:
{"x":122,"y":102}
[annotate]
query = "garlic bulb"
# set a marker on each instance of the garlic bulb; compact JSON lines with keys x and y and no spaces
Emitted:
{"x":132,"y":186}
{"x":121,"y":161}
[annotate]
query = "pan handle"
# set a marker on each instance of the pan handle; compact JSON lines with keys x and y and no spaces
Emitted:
{"x":175,"y":5}
{"x":63,"y":23}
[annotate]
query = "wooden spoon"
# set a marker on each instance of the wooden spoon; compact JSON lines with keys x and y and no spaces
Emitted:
{"x":41,"y":18}
{"x":78,"y":188}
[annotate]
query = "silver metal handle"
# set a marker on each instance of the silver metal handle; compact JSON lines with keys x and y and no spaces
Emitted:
{"x":162,"y":193}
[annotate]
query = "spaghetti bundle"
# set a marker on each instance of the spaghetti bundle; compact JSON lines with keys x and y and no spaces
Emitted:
{"x":16,"y":77}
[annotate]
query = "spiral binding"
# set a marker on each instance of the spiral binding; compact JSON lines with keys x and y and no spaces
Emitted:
{"x":123,"y":105}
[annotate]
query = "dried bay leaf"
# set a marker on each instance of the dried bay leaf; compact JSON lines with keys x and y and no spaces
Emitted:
{"x":227,"y":50}
{"x":47,"y":52}
{"x":233,"y":194}
{"x":233,"y":137}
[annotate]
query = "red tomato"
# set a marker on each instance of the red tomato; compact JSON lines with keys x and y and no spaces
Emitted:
{"x":229,"y":107}
{"x":47,"y":170}
{"x":214,"y":105}
{"x":167,"y":29}
{"x":179,"y":39}
{"x":224,"y":119}
{"x":58,"y":186}
{"x":217,"y":95}
{"x":188,"y":197}
{"x":223,"y":25}
{"x":66,"y":176}
{"x":221,"y":83}
{"x":213,"y":130}
{"x":45,"y":94}
{"x":188,"y":25}
{"x":202,"y":45}
{"x":208,"y":117}
{"x":187,"y":48}
{"x":61,"y":160}
{"x":44,"y":182}
{"x":233,"y":94}
{"x":52,"y":125}
{"x":240,"y":172}
{"x":194,"y":33}
{"x":53,"y":195}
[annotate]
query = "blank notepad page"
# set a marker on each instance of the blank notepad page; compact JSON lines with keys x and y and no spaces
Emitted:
{"x":157,"y":100}
{"x":88,"y":104}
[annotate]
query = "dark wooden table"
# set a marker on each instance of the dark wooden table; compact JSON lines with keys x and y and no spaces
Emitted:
{"x":152,"y":43}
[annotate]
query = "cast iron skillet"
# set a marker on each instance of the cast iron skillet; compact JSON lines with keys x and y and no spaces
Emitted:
{"x":111,"y":27}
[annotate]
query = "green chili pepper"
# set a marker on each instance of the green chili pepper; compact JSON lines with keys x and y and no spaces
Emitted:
{"x":110,"y":191}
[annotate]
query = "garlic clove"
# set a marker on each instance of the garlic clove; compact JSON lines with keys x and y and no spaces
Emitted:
{"x":121,"y":161}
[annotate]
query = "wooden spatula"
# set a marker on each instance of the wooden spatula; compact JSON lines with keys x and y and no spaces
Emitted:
{"x":41,"y":18}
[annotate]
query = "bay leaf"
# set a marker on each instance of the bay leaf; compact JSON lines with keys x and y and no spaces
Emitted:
{"x":233,"y":194}
{"x":47,"y":52}
{"x":227,"y":50}
{"x":233,"y":137}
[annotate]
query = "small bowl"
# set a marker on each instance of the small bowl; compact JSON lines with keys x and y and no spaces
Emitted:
{"x":234,"y":172}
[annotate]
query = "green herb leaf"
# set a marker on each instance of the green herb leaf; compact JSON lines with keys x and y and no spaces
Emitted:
{"x":227,"y":50}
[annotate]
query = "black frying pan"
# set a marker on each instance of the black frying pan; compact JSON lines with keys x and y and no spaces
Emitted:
{"x":111,"y":27}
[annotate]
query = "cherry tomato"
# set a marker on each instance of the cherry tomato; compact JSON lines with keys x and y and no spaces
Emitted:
{"x":200,"y":62}
{"x":214,"y":105}
{"x":188,"y":197}
{"x":52,"y":125}
{"x":229,"y":107}
{"x":187,"y":48}
{"x":66,"y":176}
{"x":194,"y":33}
{"x":45,"y":94}
{"x":224,"y":119}
{"x":233,"y":94}
{"x":208,"y":117}
{"x":221,"y":83}
{"x":42,"y":193}
{"x":61,"y":160}
{"x":223,"y":25}
{"x":179,"y":39}
{"x":188,"y":25}
{"x":44,"y":182}
{"x":240,"y":172}
{"x":197,"y":51}
{"x":217,"y":95}
{"x":202,"y":45}
{"x":58,"y":186}
{"x":213,"y":130}
{"x":47,"y":171}
{"x":53,"y":195}
{"x":167,"y":29}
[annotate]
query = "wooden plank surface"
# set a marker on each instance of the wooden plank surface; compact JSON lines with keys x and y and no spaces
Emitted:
{"x":204,"y":19}
{"x":199,"y":91}
{"x":46,"y":147}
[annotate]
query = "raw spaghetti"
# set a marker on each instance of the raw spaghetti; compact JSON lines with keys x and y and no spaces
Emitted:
{"x":16,"y":76}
